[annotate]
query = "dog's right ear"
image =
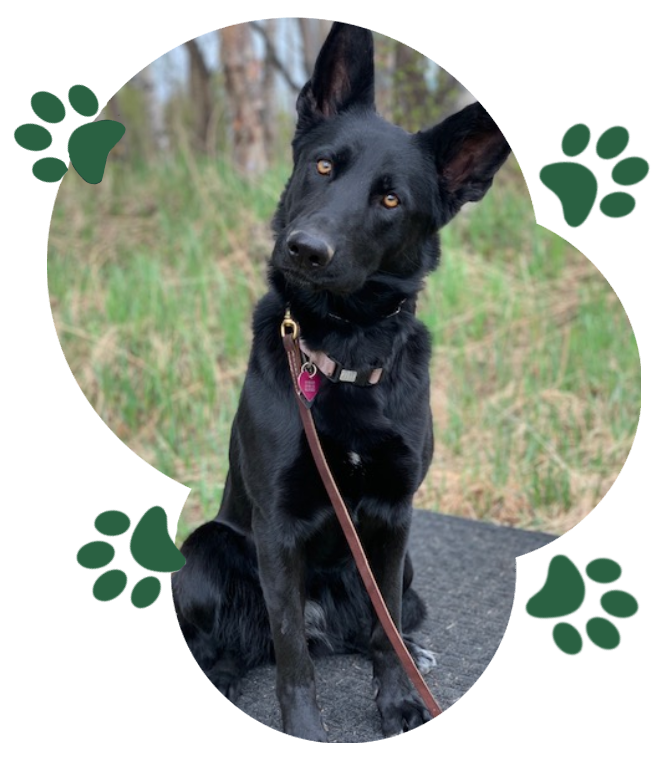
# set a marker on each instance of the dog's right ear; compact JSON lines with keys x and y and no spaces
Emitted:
{"x":343,"y":76}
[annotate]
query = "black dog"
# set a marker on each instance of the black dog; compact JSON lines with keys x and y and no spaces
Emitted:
{"x":356,"y":233}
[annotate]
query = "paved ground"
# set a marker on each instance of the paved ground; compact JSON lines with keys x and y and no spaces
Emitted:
{"x":465,"y":570}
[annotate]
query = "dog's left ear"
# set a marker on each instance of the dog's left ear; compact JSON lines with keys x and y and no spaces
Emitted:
{"x":343,"y":76}
{"x":468,"y":149}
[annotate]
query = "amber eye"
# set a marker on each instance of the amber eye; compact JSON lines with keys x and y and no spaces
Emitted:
{"x":324,"y":166}
{"x":390,"y":201}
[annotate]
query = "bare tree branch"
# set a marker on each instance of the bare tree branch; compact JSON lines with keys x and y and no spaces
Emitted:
{"x":272,"y":57}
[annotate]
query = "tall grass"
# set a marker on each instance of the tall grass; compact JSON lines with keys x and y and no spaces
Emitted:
{"x":153,"y":275}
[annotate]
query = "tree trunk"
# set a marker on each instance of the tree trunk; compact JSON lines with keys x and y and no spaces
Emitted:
{"x":200,"y":95}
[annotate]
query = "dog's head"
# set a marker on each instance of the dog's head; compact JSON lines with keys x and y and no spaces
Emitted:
{"x":366,"y":198}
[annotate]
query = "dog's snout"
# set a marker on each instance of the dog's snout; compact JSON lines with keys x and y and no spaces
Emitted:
{"x":309,"y":250}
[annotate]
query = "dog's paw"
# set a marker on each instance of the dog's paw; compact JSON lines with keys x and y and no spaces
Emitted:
{"x":402,"y":714}
{"x":424,"y":659}
{"x":306,"y":728}
{"x":301,"y":716}
{"x":225,"y":681}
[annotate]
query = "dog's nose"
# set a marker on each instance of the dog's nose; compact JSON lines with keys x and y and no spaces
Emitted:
{"x":308,"y":250}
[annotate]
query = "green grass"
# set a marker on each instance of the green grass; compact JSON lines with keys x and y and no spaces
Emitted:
{"x":153,"y":275}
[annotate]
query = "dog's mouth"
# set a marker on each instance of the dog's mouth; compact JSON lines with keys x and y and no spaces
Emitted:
{"x":318,"y":281}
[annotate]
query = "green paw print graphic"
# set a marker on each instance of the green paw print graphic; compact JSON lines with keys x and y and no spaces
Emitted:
{"x":564,"y":592}
{"x":151,"y":548}
{"x":576,"y":186}
{"x":89,"y":145}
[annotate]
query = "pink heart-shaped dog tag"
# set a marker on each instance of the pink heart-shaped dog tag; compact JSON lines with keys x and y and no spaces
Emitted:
{"x":309,"y":382}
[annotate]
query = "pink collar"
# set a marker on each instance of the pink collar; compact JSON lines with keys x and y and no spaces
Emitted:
{"x":335,"y":372}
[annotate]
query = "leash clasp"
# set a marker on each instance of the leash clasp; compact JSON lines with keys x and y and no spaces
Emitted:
{"x":289,"y":326}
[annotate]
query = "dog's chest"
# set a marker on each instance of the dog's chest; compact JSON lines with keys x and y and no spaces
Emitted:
{"x":354,"y":460}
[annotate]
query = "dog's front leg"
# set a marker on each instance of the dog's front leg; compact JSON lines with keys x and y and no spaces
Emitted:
{"x":400,"y":706}
{"x":282,"y":576}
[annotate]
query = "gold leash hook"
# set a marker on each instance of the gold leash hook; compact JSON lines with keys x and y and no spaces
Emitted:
{"x":289,"y":325}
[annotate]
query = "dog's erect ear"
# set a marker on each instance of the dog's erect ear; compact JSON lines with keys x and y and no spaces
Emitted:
{"x":343,"y":75}
{"x":468,"y":149}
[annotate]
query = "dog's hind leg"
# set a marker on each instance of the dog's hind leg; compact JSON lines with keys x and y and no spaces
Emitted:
{"x":226,"y":673}
{"x":222,"y":667}
{"x":220,"y":605}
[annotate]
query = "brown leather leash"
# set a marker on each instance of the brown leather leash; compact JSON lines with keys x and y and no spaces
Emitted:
{"x":290,"y":332}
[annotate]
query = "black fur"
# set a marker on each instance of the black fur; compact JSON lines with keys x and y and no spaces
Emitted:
{"x":271,"y":575}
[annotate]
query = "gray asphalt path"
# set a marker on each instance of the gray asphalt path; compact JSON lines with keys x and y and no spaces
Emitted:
{"x":465,"y":571}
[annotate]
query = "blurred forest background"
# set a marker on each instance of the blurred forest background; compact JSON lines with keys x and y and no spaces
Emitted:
{"x":153,"y":275}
